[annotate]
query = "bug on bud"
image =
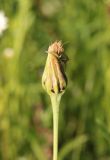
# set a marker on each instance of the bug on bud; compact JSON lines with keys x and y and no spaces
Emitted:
{"x":54,"y":79}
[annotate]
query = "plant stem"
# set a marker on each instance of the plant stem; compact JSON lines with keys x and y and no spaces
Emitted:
{"x":55,"y":100}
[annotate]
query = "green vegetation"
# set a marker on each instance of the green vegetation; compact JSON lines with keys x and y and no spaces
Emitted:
{"x":25,"y":111}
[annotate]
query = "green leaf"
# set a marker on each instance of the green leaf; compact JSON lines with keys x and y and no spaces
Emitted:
{"x":72,"y":145}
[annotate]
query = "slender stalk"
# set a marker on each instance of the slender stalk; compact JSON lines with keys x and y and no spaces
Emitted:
{"x":54,"y":81}
{"x":55,"y":100}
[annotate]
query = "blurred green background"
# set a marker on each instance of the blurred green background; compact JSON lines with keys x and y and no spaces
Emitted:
{"x":25,"y":110}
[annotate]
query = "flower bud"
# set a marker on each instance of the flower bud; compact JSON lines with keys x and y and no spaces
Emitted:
{"x":54,"y":79}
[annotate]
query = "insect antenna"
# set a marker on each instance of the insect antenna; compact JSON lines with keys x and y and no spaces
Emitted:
{"x":65,"y":43}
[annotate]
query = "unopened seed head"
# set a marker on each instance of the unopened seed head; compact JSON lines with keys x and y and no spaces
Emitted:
{"x":54,"y":79}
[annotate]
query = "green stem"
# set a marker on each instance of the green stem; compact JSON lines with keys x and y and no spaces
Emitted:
{"x":55,"y":100}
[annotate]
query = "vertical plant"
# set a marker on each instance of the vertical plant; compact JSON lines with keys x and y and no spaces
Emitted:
{"x":54,"y":81}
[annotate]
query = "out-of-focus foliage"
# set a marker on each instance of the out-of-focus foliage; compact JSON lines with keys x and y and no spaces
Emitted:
{"x":25,"y":111}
